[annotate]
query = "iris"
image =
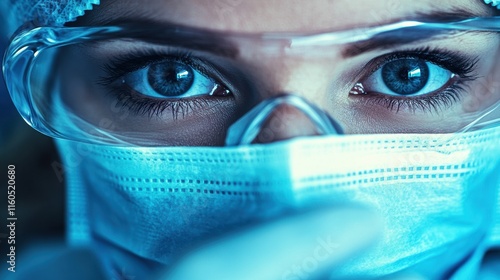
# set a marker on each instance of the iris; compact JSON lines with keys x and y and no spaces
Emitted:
{"x":170,"y":78}
{"x":405,"y":76}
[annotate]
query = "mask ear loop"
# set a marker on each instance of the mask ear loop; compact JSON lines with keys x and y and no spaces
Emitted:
{"x":244,"y":131}
{"x":477,"y":124}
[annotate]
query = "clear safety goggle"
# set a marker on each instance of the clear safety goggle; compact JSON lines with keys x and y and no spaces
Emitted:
{"x":149,"y":86}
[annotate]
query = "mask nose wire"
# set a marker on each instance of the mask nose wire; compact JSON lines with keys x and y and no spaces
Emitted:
{"x":244,"y":130}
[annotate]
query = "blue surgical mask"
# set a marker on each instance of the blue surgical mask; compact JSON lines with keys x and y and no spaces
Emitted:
{"x":144,"y":207}
{"x":147,"y":206}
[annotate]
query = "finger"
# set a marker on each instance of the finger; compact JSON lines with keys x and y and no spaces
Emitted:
{"x":298,"y":247}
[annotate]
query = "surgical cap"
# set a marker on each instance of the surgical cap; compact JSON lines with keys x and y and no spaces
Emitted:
{"x":57,"y":12}
{"x":44,"y":12}
{"x":495,"y":3}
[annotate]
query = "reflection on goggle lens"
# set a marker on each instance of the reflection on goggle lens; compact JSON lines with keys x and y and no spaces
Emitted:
{"x":129,"y":86}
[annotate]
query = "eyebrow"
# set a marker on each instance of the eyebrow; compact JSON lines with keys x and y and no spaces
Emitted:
{"x":184,"y":37}
{"x":215,"y":42}
{"x":393,"y":39}
{"x":409,"y":35}
{"x":169,"y":33}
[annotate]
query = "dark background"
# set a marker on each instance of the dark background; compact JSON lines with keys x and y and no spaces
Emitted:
{"x":39,"y":191}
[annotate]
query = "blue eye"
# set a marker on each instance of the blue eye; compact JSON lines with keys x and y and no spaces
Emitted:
{"x":171,"y":79}
{"x":407,"y":77}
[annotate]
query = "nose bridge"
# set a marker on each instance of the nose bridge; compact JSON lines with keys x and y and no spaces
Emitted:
{"x":246,"y":129}
{"x":282,"y":68}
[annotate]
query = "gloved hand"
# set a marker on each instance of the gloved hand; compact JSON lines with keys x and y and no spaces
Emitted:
{"x":310,"y":245}
{"x":306,"y":246}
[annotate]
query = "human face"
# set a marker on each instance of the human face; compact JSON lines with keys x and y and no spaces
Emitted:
{"x":359,"y":85}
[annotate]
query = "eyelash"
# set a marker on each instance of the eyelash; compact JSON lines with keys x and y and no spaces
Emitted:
{"x":141,"y":105}
{"x":459,"y":65}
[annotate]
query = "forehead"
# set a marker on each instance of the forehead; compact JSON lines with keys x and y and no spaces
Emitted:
{"x":278,"y":15}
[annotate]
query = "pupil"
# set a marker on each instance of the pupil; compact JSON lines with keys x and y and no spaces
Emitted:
{"x":170,"y":78}
{"x":405,"y":76}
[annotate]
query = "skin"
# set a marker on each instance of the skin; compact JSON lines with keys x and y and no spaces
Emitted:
{"x":276,"y":15}
{"x":274,"y":74}
{"x":324,"y":81}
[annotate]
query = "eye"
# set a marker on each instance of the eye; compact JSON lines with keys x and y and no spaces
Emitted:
{"x":405,"y":77}
{"x":172,"y":79}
